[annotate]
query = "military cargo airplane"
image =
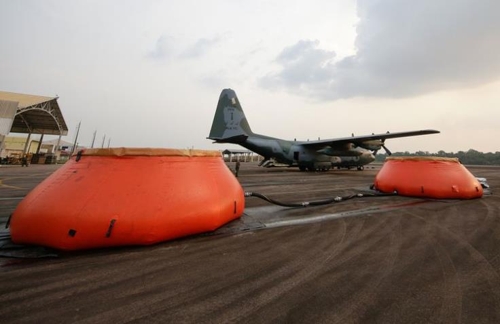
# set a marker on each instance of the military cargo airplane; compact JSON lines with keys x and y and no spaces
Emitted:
{"x":231,"y":126}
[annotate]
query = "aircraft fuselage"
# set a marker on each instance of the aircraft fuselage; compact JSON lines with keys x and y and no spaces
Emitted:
{"x":294,"y":153}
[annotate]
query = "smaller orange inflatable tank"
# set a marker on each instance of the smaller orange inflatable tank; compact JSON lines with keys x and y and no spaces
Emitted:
{"x":427,"y":177}
{"x":128,"y":196}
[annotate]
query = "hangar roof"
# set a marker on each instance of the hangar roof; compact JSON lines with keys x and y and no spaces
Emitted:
{"x":231,"y":151}
{"x":36,"y":114}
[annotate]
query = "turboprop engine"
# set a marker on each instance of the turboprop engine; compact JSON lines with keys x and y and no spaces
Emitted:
{"x":335,"y":152}
{"x":346,"y":149}
{"x":374,"y":145}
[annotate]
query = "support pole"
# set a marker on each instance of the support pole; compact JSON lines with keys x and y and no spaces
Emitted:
{"x":58,"y":149}
{"x":39,"y":145}
{"x":26,"y":144}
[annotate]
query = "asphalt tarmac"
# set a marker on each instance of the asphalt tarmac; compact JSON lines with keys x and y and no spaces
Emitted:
{"x":366,"y":260}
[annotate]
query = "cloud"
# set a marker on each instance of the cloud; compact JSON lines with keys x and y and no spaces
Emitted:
{"x":304,"y":66}
{"x":166,"y":48}
{"x":163,"y":49}
{"x":403,"y":49}
{"x":214,"y":80}
{"x":201,"y":47}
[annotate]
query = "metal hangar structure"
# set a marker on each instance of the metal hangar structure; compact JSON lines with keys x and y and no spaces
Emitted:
{"x":30,"y":114}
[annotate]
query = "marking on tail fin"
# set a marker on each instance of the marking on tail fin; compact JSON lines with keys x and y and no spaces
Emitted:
{"x":232,"y":120}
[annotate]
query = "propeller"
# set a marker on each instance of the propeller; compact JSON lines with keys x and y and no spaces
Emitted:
{"x":385,"y":148}
{"x":387,"y":151}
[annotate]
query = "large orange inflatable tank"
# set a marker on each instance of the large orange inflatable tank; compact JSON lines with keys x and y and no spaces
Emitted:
{"x":128,"y":196}
{"x":427,"y":177}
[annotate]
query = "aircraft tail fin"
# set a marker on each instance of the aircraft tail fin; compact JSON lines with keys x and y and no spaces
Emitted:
{"x":230,"y":124}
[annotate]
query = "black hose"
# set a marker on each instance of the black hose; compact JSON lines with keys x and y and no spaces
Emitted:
{"x":318,"y":202}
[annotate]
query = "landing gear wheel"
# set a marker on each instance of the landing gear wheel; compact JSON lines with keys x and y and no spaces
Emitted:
{"x":361,"y":168}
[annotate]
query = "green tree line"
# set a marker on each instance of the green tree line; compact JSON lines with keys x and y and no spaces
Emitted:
{"x":469,"y":157}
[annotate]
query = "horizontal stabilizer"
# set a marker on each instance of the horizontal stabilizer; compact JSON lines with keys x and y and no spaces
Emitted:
{"x":233,"y":139}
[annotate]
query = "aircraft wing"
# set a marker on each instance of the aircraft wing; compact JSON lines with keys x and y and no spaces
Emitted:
{"x":360,"y":139}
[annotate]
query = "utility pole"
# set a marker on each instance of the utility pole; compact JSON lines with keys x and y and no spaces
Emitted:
{"x":76,"y":138}
{"x":93,"y":139}
{"x":103,"y":139}
{"x":109,"y":141}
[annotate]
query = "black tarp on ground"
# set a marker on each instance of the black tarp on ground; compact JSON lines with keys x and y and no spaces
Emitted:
{"x":8,"y":249}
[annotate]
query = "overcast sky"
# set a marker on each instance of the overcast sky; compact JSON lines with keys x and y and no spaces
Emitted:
{"x":149,"y":73}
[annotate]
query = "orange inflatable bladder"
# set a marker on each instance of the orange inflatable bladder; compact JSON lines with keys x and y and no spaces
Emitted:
{"x":430,"y":177}
{"x":128,"y":196}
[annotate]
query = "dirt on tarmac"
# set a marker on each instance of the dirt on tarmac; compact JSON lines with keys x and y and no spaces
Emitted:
{"x":379,"y":260}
